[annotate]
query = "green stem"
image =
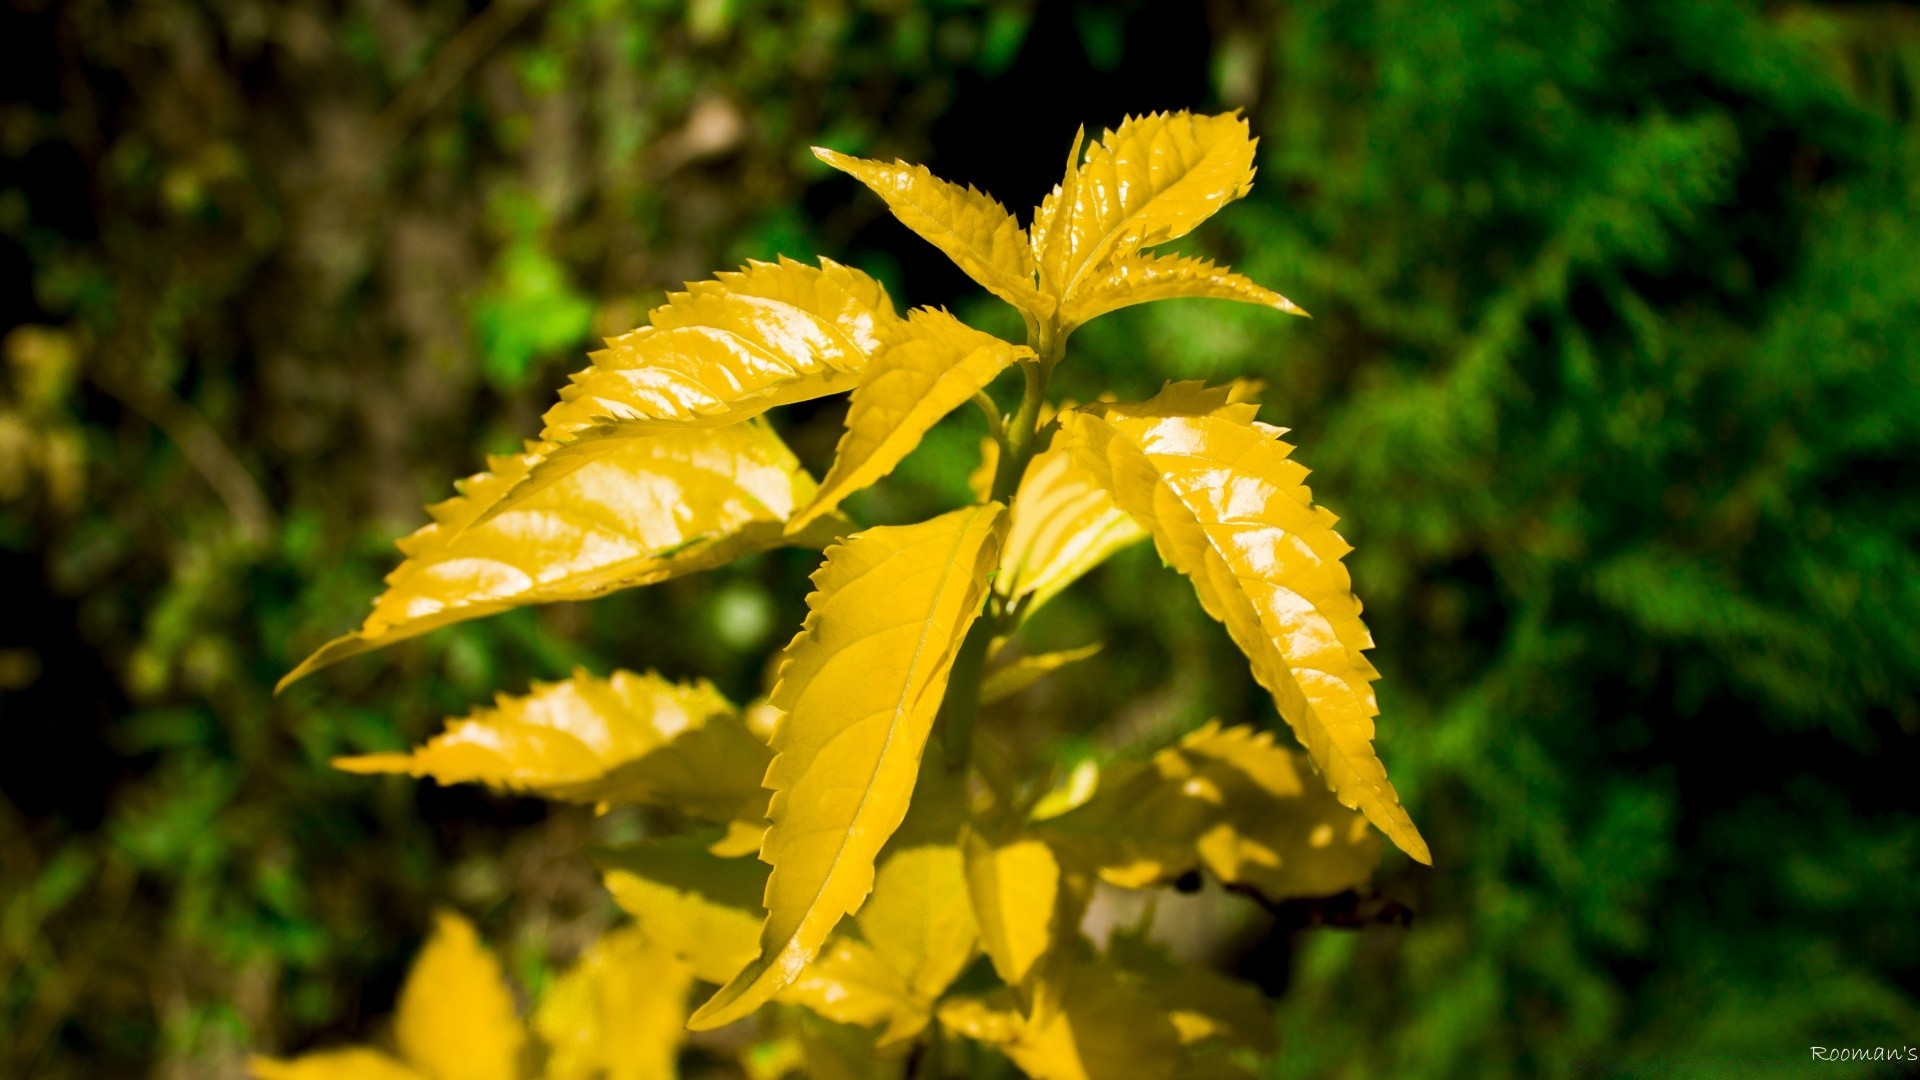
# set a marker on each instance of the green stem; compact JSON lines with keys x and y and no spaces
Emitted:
{"x":1016,"y":439}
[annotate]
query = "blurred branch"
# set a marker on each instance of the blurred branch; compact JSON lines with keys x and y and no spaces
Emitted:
{"x":424,"y":92}
{"x":209,"y":454}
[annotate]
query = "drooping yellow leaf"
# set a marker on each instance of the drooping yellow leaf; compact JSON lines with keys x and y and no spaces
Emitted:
{"x":624,"y":739}
{"x":1064,"y":524}
{"x":973,"y":229}
{"x":927,"y":367}
{"x":456,"y":1019}
{"x":1139,"y":278}
{"x":1227,"y":800}
{"x":849,"y":983}
{"x":650,"y":510}
{"x":859,"y":687}
{"x":357,"y":1063}
{"x":1152,"y":179}
{"x":919,"y":919}
{"x":618,"y":1014}
{"x":1087,"y":1023}
{"x":1228,"y":508}
{"x":1204,"y":1005}
{"x":1014,"y":888}
{"x":703,"y":909}
{"x":1009,"y":679}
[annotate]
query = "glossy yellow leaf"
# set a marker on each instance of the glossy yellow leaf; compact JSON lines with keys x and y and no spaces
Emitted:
{"x":618,"y":1013}
{"x":703,"y":909}
{"x":1227,"y":800}
{"x":1228,"y":508}
{"x":1152,"y":179}
{"x":1009,"y":679}
{"x":850,"y":983}
{"x":1064,"y":523}
{"x":927,"y":368}
{"x":456,"y":1019}
{"x":1051,"y":220}
{"x":730,"y":348}
{"x":624,"y":739}
{"x":1086,"y":1023}
{"x":1140,"y":278}
{"x":720,"y":352}
{"x":357,"y":1063}
{"x":919,"y":919}
{"x":653,"y":509}
{"x":1014,"y":887}
{"x":971,"y":228}
{"x":859,"y":686}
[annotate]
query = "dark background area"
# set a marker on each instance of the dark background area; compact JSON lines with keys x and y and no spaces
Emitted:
{"x":1614,"y":378}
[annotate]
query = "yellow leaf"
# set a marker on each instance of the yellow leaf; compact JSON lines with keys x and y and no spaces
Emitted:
{"x":1204,"y":1005}
{"x":1087,"y":1023}
{"x":1051,"y":220}
{"x":731,"y":348}
{"x":1230,"y":801}
{"x":723,"y":351}
{"x":1064,"y":524}
{"x":928,"y":367}
{"x":702,"y":908}
{"x":919,"y":919}
{"x":859,"y":687}
{"x":1009,"y":679}
{"x":650,"y":510}
{"x":974,"y":230}
{"x":1013,"y":887}
{"x":456,"y":1019}
{"x":352,"y":1064}
{"x":624,"y":739}
{"x":849,"y":983}
{"x":1140,"y":278}
{"x":1228,"y":508}
{"x":1151,"y":180}
{"x":1280,"y":830}
{"x":618,"y":1014}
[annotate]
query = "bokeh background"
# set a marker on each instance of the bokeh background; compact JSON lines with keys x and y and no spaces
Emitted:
{"x":1614,"y":378}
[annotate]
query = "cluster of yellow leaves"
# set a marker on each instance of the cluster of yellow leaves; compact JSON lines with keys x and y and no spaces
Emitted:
{"x":658,"y":461}
{"x":617,"y":1014}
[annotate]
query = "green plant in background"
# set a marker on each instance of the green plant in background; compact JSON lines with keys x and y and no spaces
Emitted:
{"x":657,"y":463}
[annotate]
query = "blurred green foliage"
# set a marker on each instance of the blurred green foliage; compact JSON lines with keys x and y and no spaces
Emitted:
{"x":1613,"y":376}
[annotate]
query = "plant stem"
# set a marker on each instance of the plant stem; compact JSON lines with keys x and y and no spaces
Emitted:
{"x":1016,"y":440}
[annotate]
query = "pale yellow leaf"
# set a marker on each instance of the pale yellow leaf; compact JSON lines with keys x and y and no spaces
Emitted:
{"x":1139,"y":278}
{"x":919,"y":919}
{"x":1204,"y":1005}
{"x":1228,"y":800}
{"x":971,"y":228}
{"x":618,"y":1014}
{"x":702,"y":908}
{"x":1229,"y":509}
{"x":1086,"y":1023}
{"x":928,"y":367}
{"x":850,"y":983}
{"x":1009,"y":679}
{"x":653,"y":509}
{"x":1064,"y":523}
{"x":1014,"y":887}
{"x":859,"y":687}
{"x":356,"y":1063}
{"x":1152,"y":179}
{"x":456,"y":1019}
